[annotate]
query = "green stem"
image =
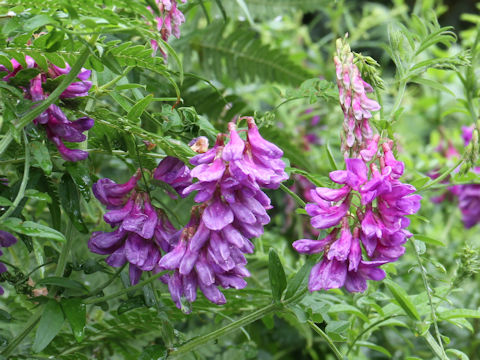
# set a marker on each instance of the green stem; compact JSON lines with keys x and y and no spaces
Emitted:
{"x":116,"y":79}
{"x":248,"y":319}
{"x":426,"y":285}
{"x":399,"y":98}
{"x":35,"y":112}
{"x":329,"y":341}
{"x":441,"y":177}
{"x":293,"y":195}
{"x":367,"y":329}
{"x":125,"y":291}
{"x":106,"y":283}
{"x":18,"y":339}
{"x":62,"y":260}
{"x":23,"y":185}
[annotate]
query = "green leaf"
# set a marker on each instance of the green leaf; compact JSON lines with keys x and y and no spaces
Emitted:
{"x":23,"y":77}
{"x":41,"y":156}
{"x":374,"y":347}
{"x":37,"y":21}
{"x":70,"y":201}
{"x":32,"y":229}
{"x":5,"y":202}
{"x":131,"y":303}
{"x":5,"y":316}
{"x":76,"y":313}
{"x":5,"y":61}
{"x":50,"y":324}
{"x":428,"y":240}
{"x":300,"y":279}
{"x":81,"y":176}
{"x":157,"y":352}
{"x":37,"y":195}
{"x":337,"y":327}
{"x":330,"y":157}
{"x":402,"y":299}
{"x":348,"y":309}
{"x":459,"y":313}
{"x":278,"y":281}
{"x":111,"y":62}
{"x":457,"y":353}
{"x":62,"y":282}
{"x":137,"y":110}
{"x":432,"y":84}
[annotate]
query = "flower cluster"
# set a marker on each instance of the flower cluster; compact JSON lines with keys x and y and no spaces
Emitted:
{"x":355,"y":104}
{"x":6,"y":240}
{"x":169,"y":20}
{"x":469,"y":194}
{"x":379,"y":222}
{"x":141,"y":230}
{"x":56,"y":124}
{"x":232,"y":209}
{"x":367,"y":215}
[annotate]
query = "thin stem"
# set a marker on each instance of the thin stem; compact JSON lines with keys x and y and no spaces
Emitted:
{"x":441,"y":177}
{"x":36,"y":111}
{"x":124,"y":291}
{"x":329,"y":341}
{"x":62,"y":260}
{"x":106,"y":283}
{"x":399,"y":98}
{"x":18,"y":339}
{"x":116,"y":79}
{"x":293,"y":195}
{"x":430,"y":301}
{"x":368,"y":329}
{"x":250,"y":318}
{"x":23,"y":185}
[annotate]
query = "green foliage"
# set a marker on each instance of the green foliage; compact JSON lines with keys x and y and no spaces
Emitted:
{"x":270,"y":59}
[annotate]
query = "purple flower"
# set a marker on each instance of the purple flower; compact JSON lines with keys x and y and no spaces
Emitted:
{"x":114,"y":195}
{"x":381,"y":226}
{"x":168,"y":22}
{"x":141,"y":232}
{"x":6,"y":240}
{"x":57,"y":126}
{"x":356,"y":106}
{"x":467,"y":134}
{"x":232,"y":210}
{"x":175,"y":173}
{"x":469,"y":204}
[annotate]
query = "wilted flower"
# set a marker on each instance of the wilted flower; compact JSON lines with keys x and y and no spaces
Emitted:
{"x":232,"y":210}
{"x":6,"y":240}
{"x":57,"y":126}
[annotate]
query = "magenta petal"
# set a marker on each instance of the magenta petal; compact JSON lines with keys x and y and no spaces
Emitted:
{"x":329,"y":274}
{"x":307,"y":246}
{"x":171,"y":260}
{"x":212,"y":293}
{"x":209,"y":172}
{"x":234,"y":149}
{"x":341,"y":248}
{"x":217,"y":215}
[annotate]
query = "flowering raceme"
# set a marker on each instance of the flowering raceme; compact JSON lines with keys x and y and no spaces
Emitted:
{"x":232,"y":209}
{"x":6,"y":240}
{"x":355,"y":104}
{"x":168,"y":22}
{"x":141,"y":231}
{"x":57,"y":126}
{"x":369,"y":211}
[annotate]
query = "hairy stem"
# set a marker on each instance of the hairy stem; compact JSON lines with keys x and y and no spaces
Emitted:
{"x":329,"y":341}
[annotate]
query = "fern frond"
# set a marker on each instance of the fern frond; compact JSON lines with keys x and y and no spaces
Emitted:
{"x":241,"y":54}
